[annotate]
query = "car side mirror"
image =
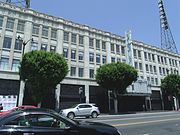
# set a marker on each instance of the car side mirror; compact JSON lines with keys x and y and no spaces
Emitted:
{"x":77,"y":108}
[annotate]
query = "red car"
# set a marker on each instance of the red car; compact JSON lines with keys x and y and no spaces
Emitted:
{"x":17,"y":108}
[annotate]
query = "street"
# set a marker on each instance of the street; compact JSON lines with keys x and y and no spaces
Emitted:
{"x":156,"y":123}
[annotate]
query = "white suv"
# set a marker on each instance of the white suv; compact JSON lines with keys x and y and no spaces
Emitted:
{"x":83,"y":109}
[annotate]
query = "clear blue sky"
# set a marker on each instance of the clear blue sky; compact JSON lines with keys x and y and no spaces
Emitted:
{"x":117,"y":16}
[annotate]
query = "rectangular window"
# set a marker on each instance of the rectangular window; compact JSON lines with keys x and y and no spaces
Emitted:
{"x":158,"y":57}
{"x":7,"y":42}
{"x":35,"y":29}
{"x":118,"y":59}
{"x":73,"y":38}
{"x":44,"y":47}
{"x":1,"y":21}
{"x":139,"y":54}
{"x":66,"y":36}
{"x":65,"y":53}
{"x":112,"y":48}
{"x":54,"y":33}
{"x":18,"y":44}
{"x":34,"y":46}
{"x":147,"y":68}
{"x":145,"y":55}
{"x":10,"y":24}
{"x":155,"y":71}
{"x":149,"y":57}
{"x":160,"y":71}
{"x":91,"y":73}
{"x":45,"y":31}
{"x":162,"y":60}
{"x":15,"y":65}
{"x":117,"y":49}
{"x":135,"y":53}
{"x":103,"y":59}
{"x":97,"y":44}
{"x":123,"y":50}
{"x":91,"y":42}
{"x":140,"y":67}
{"x":113,"y":59}
{"x":81,"y":40}
{"x":4,"y":63}
{"x":73,"y":54}
{"x":152,"y":80}
{"x":156,"y":80}
{"x":81,"y":56}
{"x":20,"y":26}
{"x":103,"y":45}
{"x":151,"y":69}
{"x":136,"y":65}
{"x":52,"y":48}
{"x":153,"y":58}
{"x":98,"y":59}
{"x":73,"y":71}
{"x":81,"y":72}
{"x":91,"y":57}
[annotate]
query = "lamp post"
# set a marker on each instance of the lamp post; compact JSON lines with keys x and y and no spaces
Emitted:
{"x":24,"y":43}
{"x":80,"y":93}
{"x":22,"y":83}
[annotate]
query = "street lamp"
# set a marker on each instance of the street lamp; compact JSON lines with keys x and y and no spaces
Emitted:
{"x":24,"y":43}
{"x":22,"y":84}
{"x":80,"y":93}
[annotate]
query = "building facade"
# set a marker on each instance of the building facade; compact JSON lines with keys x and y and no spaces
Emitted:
{"x":85,"y":49}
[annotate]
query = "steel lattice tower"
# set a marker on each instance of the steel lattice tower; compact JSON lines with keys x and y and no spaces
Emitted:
{"x":21,"y":3}
{"x":167,"y":40}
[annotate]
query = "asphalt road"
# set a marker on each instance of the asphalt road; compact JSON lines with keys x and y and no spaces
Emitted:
{"x":159,"y":123}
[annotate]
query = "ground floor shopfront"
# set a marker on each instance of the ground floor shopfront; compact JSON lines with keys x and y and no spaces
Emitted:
{"x":73,"y":91}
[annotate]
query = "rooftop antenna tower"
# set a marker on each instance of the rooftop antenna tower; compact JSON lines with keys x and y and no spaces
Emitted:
{"x":20,"y":3}
{"x":167,"y":40}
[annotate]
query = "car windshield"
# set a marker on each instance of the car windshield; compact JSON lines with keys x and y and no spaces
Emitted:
{"x":8,"y":115}
{"x":74,"y":106}
{"x":65,"y":118}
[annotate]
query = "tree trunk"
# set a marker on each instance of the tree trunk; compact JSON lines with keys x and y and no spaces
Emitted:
{"x":115,"y":103}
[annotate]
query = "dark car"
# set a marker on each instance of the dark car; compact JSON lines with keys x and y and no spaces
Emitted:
{"x":47,"y":122}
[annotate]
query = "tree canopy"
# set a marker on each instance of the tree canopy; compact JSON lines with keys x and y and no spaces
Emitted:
{"x":171,"y":84}
{"x":43,"y":71}
{"x":116,"y":76}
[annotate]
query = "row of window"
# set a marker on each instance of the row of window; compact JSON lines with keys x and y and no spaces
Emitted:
{"x":4,"y":64}
{"x":73,"y":72}
{"x":73,"y":38}
{"x":92,"y":43}
{"x":45,"y":31}
{"x":73,"y":54}
{"x":151,"y":57}
{"x":18,"y":45}
{"x":34,"y":46}
{"x":153,"y":81}
{"x":21,"y":26}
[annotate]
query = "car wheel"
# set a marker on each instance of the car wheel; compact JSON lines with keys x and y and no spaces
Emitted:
{"x":94,"y":114}
{"x":70,"y":115}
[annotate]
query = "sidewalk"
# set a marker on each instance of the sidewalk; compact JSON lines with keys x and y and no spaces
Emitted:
{"x":137,"y":113}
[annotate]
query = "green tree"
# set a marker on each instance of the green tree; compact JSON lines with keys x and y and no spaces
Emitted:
{"x":43,"y":71}
{"x":116,"y":77}
{"x":170,"y":87}
{"x":171,"y":84}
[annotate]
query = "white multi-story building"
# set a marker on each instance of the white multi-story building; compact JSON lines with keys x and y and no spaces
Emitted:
{"x":85,"y":49}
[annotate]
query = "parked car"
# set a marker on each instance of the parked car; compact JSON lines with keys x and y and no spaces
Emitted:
{"x":38,"y":121}
{"x":16,"y":108}
{"x":84,"y":109}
